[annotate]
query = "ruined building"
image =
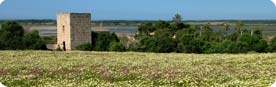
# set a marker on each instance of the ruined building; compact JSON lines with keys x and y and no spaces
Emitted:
{"x":73,"y":29}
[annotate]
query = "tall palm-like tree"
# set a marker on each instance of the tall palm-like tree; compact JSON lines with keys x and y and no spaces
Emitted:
{"x":239,"y":26}
{"x":223,"y":32}
{"x":177,"y":18}
{"x":226,"y":28}
{"x":207,"y":31}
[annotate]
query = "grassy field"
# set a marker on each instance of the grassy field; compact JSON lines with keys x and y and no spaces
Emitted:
{"x":90,"y":69}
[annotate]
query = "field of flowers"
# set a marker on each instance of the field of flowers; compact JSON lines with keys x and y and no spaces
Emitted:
{"x":90,"y":69}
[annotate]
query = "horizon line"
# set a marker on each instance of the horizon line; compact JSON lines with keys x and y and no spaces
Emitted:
{"x":155,"y":20}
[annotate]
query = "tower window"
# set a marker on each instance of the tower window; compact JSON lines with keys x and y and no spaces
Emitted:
{"x":63,"y":28}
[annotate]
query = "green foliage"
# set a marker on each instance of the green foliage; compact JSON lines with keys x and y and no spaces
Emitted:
{"x":160,"y":36}
{"x":177,"y":18}
{"x":239,"y":26}
{"x":151,"y":44}
{"x":178,"y":26}
{"x":207,"y":33}
{"x":162,"y":41}
{"x":258,"y":33}
{"x":12,"y":37}
{"x":101,"y":40}
{"x":242,"y":47}
{"x":261,"y":46}
{"x":85,"y":47}
{"x":163,"y":33}
{"x":214,"y":47}
{"x":185,"y":43}
{"x":179,"y":37}
{"x":162,"y":24}
{"x":50,"y":39}
{"x":188,"y":41}
{"x":273,"y":44}
{"x":254,"y":43}
{"x":233,"y":37}
{"x":146,"y":28}
{"x":33,"y":41}
{"x":134,"y":46}
{"x":116,"y":46}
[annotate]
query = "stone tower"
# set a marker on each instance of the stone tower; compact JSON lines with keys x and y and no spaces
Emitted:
{"x":73,"y":29}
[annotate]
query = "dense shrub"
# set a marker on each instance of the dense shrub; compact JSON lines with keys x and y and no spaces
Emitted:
{"x":241,"y":47}
{"x":180,"y":37}
{"x":101,"y":40}
{"x":12,"y":37}
{"x":146,"y":28}
{"x":188,"y":42}
{"x":254,"y":43}
{"x":272,"y":45}
{"x":261,"y":46}
{"x":133,"y":46}
{"x":116,"y":46}
{"x":229,"y":46}
{"x":147,"y":44}
{"x":85,"y":47}
{"x":160,"y":37}
{"x":33,"y":41}
{"x":215,"y":47}
{"x":162,"y":41}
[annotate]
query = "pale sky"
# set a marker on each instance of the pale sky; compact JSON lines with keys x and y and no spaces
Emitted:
{"x":141,"y":9}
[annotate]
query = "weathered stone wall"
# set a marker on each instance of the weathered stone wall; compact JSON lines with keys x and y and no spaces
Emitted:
{"x":74,"y":29}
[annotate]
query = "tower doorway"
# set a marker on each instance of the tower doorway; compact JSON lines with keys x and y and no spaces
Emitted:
{"x":64,"y":46}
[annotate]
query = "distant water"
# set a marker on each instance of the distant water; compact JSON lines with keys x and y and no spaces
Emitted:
{"x":267,"y":29}
{"x":128,"y":30}
{"x":48,"y":32}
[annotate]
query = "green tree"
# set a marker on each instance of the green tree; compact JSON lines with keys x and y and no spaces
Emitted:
{"x":146,"y":29}
{"x":33,"y":41}
{"x":161,"y":24}
{"x":102,"y":40}
{"x":226,"y":28}
{"x":188,"y":42}
{"x":116,"y":46}
{"x":178,"y":26}
{"x":223,"y":32}
{"x":254,"y":43}
{"x":258,"y":33}
{"x":177,"y":18}
{"x":164,"y":39}
{"x":161,"y":42}
{"x":229,"y":46}
{"x":261,"y":46}
{"x":11,"y":35}
{"x":241,"y":47}
{"x":208,"y":32}
{"x":233,"y":37}
{"x":239,"y":26}
{"x":272,"y":45}
{"x":215,"y":47}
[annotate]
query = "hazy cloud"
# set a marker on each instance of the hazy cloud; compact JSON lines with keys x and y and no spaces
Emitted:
{"x":274,"y":1}
{"x":1,"y":85}
{"x":1,"y":1}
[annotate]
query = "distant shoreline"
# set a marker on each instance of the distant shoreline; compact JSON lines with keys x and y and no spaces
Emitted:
{"x":51,"y":27}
